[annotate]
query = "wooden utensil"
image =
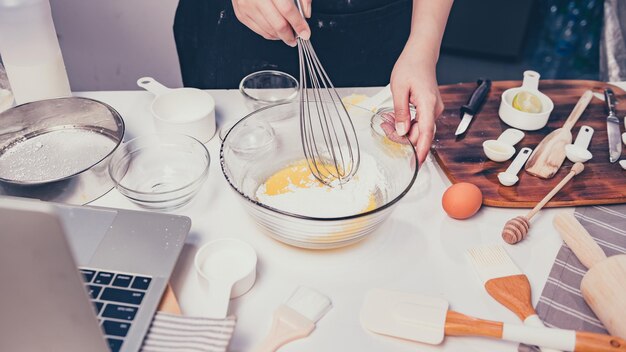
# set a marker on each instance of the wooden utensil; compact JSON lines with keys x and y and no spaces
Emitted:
{"x":550,"y":153}
{"x":427,"y":319}
{"x":517,"y":228}
{"x":506,"y":283}
{"x":604,"y":285}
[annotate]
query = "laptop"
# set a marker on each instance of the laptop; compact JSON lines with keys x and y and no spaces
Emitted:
{"x":82,"y":278}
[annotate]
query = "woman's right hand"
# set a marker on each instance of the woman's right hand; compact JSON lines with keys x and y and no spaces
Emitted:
{"x":275,"y":19}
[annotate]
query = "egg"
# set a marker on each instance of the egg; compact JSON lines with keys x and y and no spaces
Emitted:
{"x":462,"y":200}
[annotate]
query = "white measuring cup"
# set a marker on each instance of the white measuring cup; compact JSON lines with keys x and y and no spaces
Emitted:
{"x":227,"y":267}
{"x":189,"y":111}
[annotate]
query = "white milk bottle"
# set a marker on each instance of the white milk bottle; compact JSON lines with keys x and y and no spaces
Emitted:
{"x":30,"y":51}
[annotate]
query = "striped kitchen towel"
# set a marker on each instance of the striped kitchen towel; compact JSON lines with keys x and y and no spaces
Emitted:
{"x":561,"y":304}
{"x":178,"y":333}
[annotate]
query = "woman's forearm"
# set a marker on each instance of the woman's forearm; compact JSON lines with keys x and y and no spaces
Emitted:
{"x":427,"y":25}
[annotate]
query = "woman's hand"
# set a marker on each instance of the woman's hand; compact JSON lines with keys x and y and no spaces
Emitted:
{"x":275,"y":19}
{"x":414,"y":81}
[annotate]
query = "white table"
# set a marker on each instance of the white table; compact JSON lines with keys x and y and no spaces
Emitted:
{"x":419,"y":249}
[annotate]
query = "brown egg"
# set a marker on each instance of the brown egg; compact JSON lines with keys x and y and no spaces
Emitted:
{"x":462,"y":200}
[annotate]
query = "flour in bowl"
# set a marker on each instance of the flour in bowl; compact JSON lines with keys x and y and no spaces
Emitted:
{"x":294,"y":189}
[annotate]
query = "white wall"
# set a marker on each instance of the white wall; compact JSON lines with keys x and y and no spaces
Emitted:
{"x":108,"y":44}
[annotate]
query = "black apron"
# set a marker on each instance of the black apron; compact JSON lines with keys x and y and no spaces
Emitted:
{"x":357,"y":41}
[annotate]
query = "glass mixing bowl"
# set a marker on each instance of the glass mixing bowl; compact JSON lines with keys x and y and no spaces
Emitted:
{"x":268,"y":140}
{"x":160,"y":171}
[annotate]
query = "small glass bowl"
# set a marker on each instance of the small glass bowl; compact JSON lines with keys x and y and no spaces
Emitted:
{"x":268,"y":87}
{"x":161,"y":171}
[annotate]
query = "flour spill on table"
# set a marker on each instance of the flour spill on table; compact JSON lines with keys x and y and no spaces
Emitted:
{"x":53,"y":155}
{"x":294,"y":189}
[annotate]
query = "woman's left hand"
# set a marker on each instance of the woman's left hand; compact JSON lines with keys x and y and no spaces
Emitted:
{"x":414,"y":81}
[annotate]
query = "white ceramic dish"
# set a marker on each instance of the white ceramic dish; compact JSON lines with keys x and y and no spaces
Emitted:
{"x":187,"y":111}
{"x":526,"y":121}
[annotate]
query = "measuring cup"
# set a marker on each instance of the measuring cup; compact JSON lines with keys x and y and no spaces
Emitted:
{"x":228,"y":268}
{"x":188,"y":111}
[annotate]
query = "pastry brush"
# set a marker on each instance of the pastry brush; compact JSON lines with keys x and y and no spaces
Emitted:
{"x":295,"y":319}
{"x":505,"y":282}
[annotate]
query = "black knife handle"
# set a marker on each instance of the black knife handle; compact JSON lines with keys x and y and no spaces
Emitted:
{"x":609,"y":97}
{"x":478,"y":97}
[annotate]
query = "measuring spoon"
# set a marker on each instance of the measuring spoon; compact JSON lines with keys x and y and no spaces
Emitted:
{"x":502,"y":149}
{"x":509,"y":177}
{"x":578,"y":152}
{"x":228,"y":267}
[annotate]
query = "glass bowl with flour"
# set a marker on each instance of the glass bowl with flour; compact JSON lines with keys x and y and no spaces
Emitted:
{"x":262,"y":159}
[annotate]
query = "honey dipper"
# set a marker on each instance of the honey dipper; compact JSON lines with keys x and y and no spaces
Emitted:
{"x":516,"y":229}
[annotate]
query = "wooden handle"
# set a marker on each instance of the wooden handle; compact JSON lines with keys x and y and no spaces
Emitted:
{"x":590,"y":342}
{"x":512,"y":292}
{"x":578,"y":110}
{"x":578,"y":239}
{"x":287,"y":325}
{"x":458,"y":324}
{"x":576,"y":169}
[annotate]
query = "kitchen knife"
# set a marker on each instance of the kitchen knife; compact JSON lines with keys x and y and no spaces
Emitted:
{"x":473,"y":104}
{"x":612,"y":127}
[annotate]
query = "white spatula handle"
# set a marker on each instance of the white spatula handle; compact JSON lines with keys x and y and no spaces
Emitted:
{"x":534,"y":321}
{"x":552,"y":338}
{"x":566,"y":340}
{"x":458,"y":324}
{"x":578,"y":239}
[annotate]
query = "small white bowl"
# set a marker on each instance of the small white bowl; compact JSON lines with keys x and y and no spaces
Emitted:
{"x":526,"y":121}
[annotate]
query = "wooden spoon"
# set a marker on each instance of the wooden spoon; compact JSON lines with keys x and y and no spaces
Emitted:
{"x":547,"y":158}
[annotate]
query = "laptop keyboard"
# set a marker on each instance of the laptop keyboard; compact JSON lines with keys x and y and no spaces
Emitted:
{"x":116,"y":298}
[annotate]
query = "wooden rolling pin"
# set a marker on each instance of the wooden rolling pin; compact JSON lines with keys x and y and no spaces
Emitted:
{"x":604,"y":285}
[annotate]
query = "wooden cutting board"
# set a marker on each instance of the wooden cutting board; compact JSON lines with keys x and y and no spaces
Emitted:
{"x":463,"y":159}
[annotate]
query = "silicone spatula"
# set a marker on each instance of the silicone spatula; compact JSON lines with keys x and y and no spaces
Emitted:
{"x":427,"y":319}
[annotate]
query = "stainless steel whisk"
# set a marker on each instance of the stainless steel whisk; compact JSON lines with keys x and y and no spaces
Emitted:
{"x":329,"y":139}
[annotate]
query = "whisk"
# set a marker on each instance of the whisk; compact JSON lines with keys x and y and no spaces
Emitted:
{"x":329,"y":139}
